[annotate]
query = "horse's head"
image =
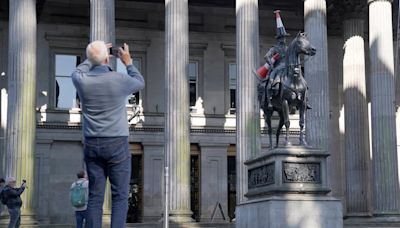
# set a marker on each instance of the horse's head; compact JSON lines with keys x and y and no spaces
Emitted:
{"x":303,"y":44}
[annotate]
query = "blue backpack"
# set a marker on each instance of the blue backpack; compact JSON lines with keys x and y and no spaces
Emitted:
{"x":78,"y":195}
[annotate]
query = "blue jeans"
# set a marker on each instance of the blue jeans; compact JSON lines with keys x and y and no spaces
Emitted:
{"x":15,"y":217}
{"x":107,"y":157}
{"x":80,"y":216}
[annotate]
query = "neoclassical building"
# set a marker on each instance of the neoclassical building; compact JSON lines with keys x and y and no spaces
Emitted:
{"x":199,"y":115}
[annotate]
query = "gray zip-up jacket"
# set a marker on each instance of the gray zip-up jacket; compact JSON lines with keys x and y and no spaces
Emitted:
{"x":102,"y":93}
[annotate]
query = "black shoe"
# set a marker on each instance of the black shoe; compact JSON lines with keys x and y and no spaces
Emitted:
{"x":309,"y":107}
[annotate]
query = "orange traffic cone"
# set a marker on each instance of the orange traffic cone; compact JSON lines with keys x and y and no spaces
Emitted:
{"x":264,"y":70}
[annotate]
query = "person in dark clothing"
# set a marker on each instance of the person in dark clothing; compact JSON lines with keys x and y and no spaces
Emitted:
{"x":2,"y":184}
{"x":13,"y":201}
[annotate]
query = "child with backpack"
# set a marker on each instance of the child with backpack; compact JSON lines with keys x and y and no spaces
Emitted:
{"x":79,"y":195}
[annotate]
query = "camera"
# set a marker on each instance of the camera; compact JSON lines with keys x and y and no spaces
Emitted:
{"x":114,"y":50}
{"x":132,"y":100}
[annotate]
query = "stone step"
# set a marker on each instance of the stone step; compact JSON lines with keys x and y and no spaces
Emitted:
{"x":3,"y":223}
{"x":185,"y":225}
{"x":374,"y":222}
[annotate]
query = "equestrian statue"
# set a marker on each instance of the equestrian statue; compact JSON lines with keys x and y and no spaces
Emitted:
{"x":282,"y":86}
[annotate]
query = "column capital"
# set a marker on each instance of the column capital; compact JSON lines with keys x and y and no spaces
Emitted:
{"x":371,"y":1}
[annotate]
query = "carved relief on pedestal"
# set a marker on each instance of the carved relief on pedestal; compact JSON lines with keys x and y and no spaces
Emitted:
{"x":301,"y":172}
{"x":262,"y":176}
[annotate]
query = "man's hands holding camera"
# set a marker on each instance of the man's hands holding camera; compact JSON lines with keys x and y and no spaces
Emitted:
{"x":122,"y":52}
{"x":23,"y":185}
{"x":124,"y":55}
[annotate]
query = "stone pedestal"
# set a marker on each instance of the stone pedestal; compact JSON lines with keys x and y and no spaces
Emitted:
{"x":300,"y":211}
{"x":288,"y":188}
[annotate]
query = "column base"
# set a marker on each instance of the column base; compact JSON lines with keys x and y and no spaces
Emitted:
{"x":357,"y":215}
{"x":26,"y":220}
{"x":178,"y":217}
{"x":106,"y":219}
{"x":151,"y":219}
{"x":290,"y":211}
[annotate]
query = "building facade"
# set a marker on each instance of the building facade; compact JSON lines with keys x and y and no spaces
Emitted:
{"x":199,"y":113}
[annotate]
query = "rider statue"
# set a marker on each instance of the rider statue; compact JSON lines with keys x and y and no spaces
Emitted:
{"x":275,"y":58}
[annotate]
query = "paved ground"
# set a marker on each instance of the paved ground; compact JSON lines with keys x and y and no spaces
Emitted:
{"x":4,"y":222}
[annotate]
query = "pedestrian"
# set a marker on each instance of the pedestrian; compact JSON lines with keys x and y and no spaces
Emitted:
{"x":2,"y":184}
{"x":103,"y":92}
{"x":12,"y":198}
{"x":79,"y":195}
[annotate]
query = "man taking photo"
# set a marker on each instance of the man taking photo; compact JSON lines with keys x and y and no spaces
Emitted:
{"x":11,"y":196}
{"x":105,"y":128}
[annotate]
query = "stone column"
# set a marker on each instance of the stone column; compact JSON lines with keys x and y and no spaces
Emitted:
{"x":214,"y":181}
{"x":153,"y":181}
{"x":3,"y":93}
{"x":358,"y":194}
{"x":102,"y":27}
{"x":21,"y":123}
{"x":177,"y":144}
{"x":384,"y":155}
{"x":316,"y":74}
{"x":397,"y":65}
{"x":247,"y":109}
{"x":102,"y":22}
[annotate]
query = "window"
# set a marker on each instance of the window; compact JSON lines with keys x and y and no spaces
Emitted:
{"x":193,"y":79}
{"x":137,"y":62}
{"x":232,"y":86}
{"x":66,"y":96}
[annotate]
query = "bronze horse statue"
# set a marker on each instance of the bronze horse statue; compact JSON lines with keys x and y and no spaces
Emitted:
{"x":292,"y":89}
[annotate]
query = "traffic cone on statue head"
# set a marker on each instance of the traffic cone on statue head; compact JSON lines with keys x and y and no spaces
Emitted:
{"x":280,"y":29}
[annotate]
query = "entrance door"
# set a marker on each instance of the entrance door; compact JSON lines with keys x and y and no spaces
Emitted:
{"x":195,"y":187}
{"x":231,"y":186}
{"x":135,"y":191}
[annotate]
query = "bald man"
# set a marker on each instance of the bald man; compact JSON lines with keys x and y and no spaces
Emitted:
{"x":103,"y":92}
